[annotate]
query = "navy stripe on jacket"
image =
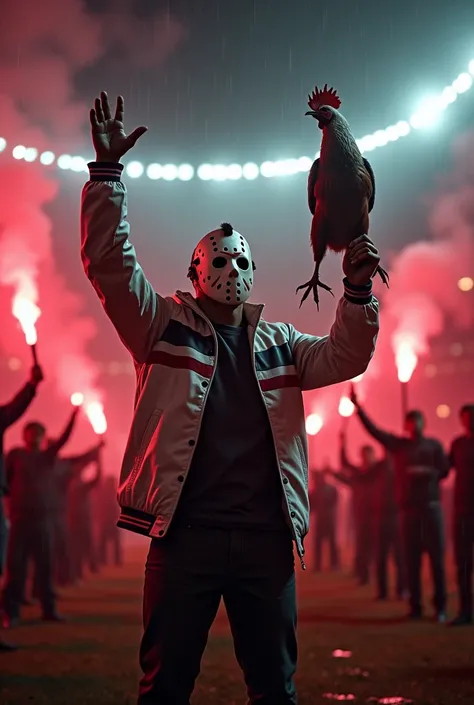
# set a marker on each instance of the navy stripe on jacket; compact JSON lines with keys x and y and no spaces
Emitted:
{"x":276,"y":356}
{"x":181,"y":335}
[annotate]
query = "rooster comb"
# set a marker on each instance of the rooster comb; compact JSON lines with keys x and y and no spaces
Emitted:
{"x":327,"y":96}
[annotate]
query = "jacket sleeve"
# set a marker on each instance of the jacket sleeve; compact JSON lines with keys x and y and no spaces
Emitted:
{"x":11,"y":412}
{"x":345,"y":353}
{"x":138,"y":314}
{"x":388,"y":440}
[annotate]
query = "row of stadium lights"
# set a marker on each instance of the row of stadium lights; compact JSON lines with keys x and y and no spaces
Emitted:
{"x":427,"y":114}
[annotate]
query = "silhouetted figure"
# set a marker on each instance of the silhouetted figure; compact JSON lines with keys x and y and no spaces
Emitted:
{"x":33,"y":473}
{"x":215,"y":470}
{"x":360,"y":480}
{"x":9,"y":414}
{"x":419,"y":463}
{"x":387,"y":534}
{"x":324,"y":500}
{"x":67,"y":470}
{"x":83,"y":544}
{"x":110,"y":536}
{"x":461,"y":459}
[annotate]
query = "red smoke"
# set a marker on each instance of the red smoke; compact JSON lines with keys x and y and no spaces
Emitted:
{"x":424,"y":293}
{"x":43,"y":49}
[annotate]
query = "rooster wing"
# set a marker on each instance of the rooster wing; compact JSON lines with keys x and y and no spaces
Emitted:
{"x":313,"y":177}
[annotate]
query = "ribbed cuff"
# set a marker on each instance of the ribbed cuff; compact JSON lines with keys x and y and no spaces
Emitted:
{"x":357,"y":294}
{"x":105,"y":171}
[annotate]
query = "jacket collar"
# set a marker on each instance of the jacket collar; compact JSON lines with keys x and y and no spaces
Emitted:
{"x":253,"y":312}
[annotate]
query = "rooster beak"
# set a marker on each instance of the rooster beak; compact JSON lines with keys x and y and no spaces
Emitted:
{"x":313,"y":113}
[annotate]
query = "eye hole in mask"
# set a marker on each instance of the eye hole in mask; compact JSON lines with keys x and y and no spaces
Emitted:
{"x":243,"y":263}
{"x":219,"y":262}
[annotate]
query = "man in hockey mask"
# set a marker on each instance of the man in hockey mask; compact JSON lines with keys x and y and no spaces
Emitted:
{"x":222,"y":271}
{"x":215,"y":470}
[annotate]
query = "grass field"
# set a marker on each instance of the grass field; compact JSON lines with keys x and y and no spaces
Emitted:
{"x":92,"y":659}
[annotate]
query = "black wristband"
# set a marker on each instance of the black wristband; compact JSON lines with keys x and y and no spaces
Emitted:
{"x":105,"y":171}
{"x":357,"y":293}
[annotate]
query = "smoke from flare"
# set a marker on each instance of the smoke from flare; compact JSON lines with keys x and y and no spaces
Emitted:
{"x":95,"y":414}
{"x":26,"y":311}
{"x":38,"y":107}
{"x":406,"y":358}
{"x":424,"y":292}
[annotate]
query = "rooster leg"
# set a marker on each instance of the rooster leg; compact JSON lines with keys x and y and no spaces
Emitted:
{"x":384,"y":276}
{"x":312,"y":285}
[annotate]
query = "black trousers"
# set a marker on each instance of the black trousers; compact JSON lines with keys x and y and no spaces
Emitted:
{"x":62,"y":552}
{"x":463,"y":551}
{"x":29,"y":540}
{"x":62,"y":568}
{"x":326,"y":533}
{"x":423,"y":531}
{"x":388,"y":543}
{"x":186,"y":575}
{"x":364,"y":548}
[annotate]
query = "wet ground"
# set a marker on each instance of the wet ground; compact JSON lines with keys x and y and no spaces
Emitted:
{"x":352,"y":649}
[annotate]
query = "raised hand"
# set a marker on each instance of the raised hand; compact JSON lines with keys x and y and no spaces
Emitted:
{"x":361,"y":260}
{"x":108,"y":133}
{"x":36,"y":375}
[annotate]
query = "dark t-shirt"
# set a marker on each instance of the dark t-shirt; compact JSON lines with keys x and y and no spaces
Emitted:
{"x":384,"y":504}
{"x":462,"y":460}
{"x":35,"y":484}
{"x":80,"y":504}
{"x":361,"y":483}
{"x":419,"y":463}
{"x":233,"y":481}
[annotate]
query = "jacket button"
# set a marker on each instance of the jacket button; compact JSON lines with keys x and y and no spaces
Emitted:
{"x":285,"y":480}
{"x":180,"y":478}
{"x":205,"y":384}
{"x":210,"y":353}
{"x":293,"y":514}
{"x":161,"y":532}
{"x":192,"y":442}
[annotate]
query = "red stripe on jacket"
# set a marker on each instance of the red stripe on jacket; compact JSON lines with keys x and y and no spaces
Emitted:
{"x":180,"y":362}
{"x":279,"y":382}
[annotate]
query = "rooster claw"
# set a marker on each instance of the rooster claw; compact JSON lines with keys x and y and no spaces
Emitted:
{"x":312,"y":286}
{"x":384,"y":276}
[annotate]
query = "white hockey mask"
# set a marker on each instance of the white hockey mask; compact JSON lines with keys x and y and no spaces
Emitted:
{"x":223,"y":264}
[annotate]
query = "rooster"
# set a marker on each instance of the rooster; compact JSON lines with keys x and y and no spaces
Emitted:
{"x":341,"y":188}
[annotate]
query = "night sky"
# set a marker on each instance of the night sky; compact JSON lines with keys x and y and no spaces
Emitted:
{"x":234,"y":88}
